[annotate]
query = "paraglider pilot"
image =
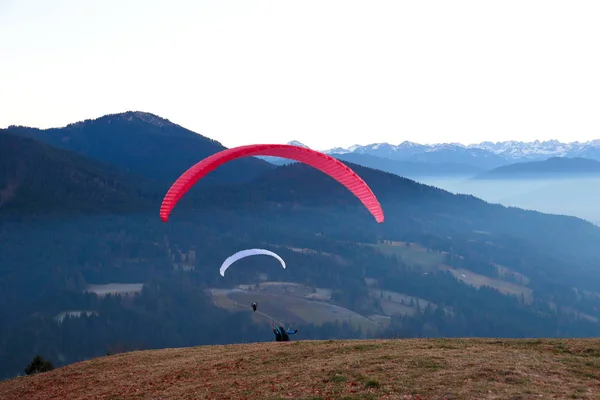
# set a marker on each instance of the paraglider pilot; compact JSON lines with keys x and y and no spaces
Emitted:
{"x":282,"y":335}
{"x":254,"y":306}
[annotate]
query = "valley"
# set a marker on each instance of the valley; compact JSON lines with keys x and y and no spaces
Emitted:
{"x":169,"y":228}
{"x":96,"y":261}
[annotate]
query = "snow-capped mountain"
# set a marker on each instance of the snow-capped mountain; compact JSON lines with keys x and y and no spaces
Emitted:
{"x":297,"y":143}
{"x":386,"y":150}
{"x":439,"y":153}
{"x":283,"y":161}
{"x":509,"y":151}
{"x":445,"y":158}
{"x":532,"y":150}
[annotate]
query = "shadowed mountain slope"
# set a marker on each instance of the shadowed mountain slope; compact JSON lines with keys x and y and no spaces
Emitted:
{"x":145,"y":144}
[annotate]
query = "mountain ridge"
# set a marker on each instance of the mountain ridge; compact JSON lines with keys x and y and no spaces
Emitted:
{"x":510,"y":150}
{"x":143,"y":143}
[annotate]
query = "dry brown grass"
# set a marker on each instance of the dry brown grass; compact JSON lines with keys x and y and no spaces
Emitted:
{"x":387,"y":369}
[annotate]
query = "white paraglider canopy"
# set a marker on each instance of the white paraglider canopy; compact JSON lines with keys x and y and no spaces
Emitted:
{"x":246,"y":253}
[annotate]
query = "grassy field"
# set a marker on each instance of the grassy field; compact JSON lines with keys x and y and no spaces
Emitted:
{"x":431,"y":261}
{"x":504,"y":272}
{"x":393,"y":303}
{"x":412,"y":255}
{"x":290,"y":309}
{"x":390,"y":369}
{"x":504,"y":287}
{"x":115,"y":288}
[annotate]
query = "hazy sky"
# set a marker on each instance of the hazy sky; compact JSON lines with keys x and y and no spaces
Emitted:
{"x":324,"y":72}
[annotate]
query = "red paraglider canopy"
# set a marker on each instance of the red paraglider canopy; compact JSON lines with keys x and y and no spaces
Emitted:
{"x":323,"y":162}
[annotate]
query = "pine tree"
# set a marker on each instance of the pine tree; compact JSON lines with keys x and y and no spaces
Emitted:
{"x":38,"y":365}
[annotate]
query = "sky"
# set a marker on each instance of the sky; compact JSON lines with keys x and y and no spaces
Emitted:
{"x":327,"y":73}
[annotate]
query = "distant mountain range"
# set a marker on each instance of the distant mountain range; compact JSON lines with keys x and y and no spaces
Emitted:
{"x":500,"y":153}
{"x":415,"y":168}
{"x":454,"y":158}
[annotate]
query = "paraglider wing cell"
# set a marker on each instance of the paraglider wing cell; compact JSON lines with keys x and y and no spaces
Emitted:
{"x":246,"y":253}
{"x":323,"y":162}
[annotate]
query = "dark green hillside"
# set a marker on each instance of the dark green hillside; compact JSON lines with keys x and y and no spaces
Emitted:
{"x":36,"y":179}
{"x":531,"y":242}
{"x":145,"y":144}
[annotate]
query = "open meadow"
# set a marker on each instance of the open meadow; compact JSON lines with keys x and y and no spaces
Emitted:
{"x":345,"y":369}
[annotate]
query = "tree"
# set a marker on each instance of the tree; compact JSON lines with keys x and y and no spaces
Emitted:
{"x":38,"y":365}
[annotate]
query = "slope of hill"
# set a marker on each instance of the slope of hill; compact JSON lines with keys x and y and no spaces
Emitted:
{"x":579,"y":196}
{"x":552,"y":168}
{"x":146,"y":144}
{"x":36,"y":178}
{"x":523,"y":239}
{"x":404,"y":201}
{"x":429,"y":368}
{"x":576,"y":196}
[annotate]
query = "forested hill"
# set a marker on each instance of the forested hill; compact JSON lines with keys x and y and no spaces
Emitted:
{"x":558,"y":248}
{"x":440,"y":264}
{"x":146,"y":144}
{"x":36,"y":178}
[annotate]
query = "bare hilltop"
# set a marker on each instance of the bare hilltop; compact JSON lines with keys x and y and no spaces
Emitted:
{"x":344,"y":369}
